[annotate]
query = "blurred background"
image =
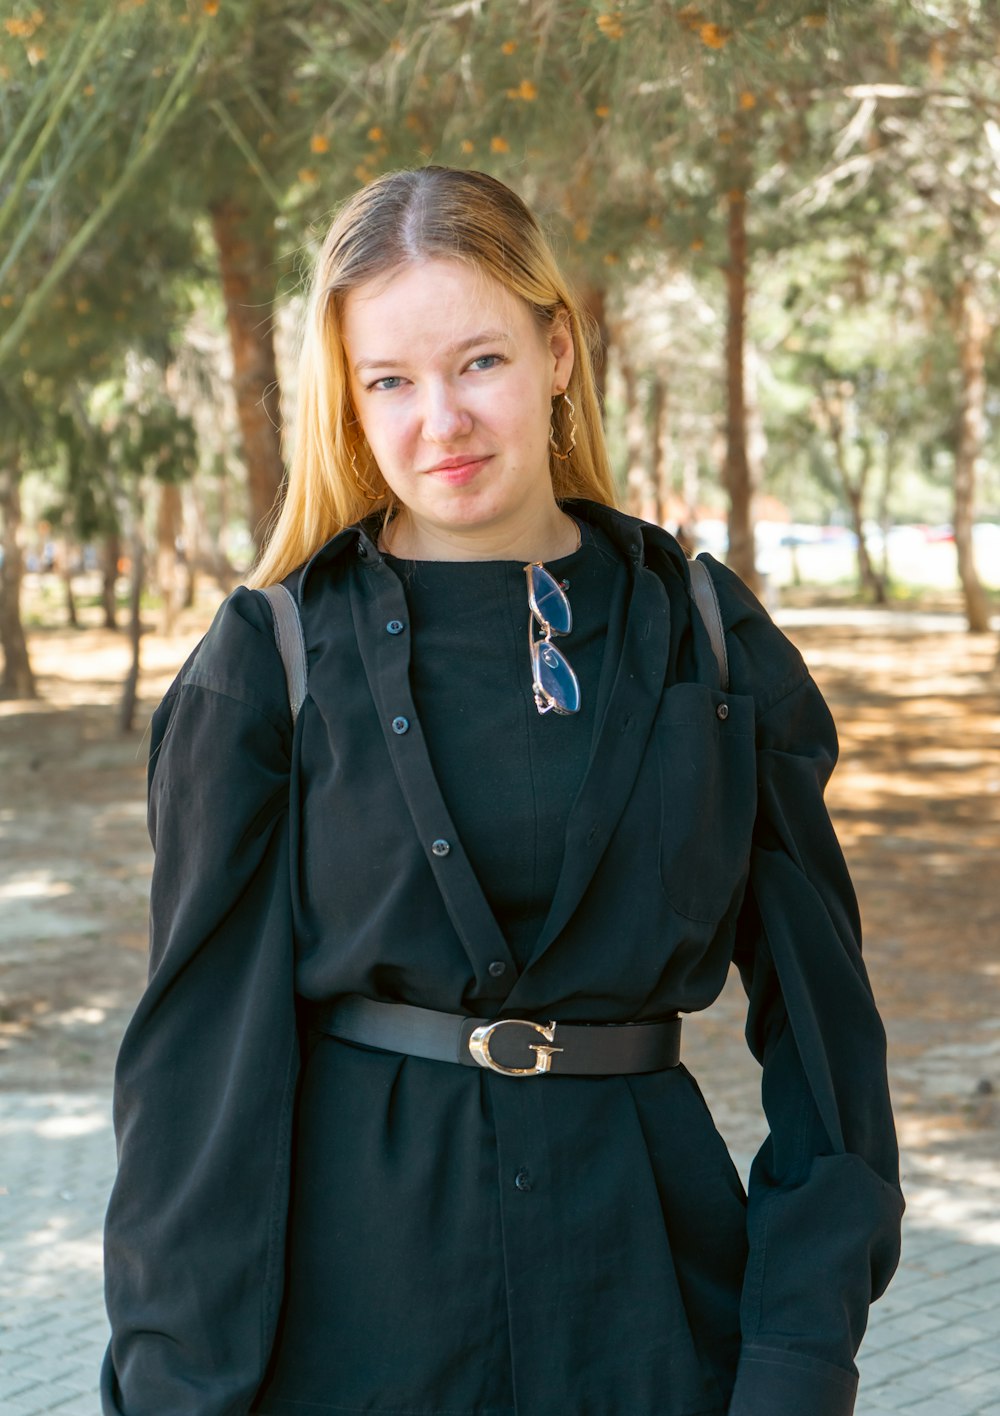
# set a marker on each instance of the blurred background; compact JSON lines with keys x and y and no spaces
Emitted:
{"x":784,"y":220}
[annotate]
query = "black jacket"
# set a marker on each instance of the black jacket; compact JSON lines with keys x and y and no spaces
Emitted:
{"x":323,"y":1228}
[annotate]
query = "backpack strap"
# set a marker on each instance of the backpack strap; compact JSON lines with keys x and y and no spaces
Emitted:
{"x":290,"y":641}
{"x":707,"y":604}
{"x":292,"y":646}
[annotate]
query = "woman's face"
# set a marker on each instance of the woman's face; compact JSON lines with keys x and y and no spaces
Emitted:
{"x":453,"y":382}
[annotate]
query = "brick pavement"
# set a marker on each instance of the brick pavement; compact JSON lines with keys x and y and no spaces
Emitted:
{"x":932,"y":1349}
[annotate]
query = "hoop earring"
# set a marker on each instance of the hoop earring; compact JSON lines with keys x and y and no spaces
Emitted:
{"x":366,"y":490}
{"x":563,"y":456}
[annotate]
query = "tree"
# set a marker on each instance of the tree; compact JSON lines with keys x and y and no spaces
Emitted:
{"x":72,"y":82}
{"x":18,"y":680}
{"x":916,"y":166}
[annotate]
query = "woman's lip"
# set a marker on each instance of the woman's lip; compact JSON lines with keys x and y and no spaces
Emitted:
{"x":457,"y":472}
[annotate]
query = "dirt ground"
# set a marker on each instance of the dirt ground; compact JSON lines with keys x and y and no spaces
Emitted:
{"x":916,"y":799}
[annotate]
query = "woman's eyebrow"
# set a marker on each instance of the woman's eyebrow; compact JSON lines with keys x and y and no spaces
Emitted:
{"x":486,"y":336}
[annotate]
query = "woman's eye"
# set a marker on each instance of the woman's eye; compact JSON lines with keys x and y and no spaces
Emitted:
{"x":385,"y":385}
{"x":487,"y":361}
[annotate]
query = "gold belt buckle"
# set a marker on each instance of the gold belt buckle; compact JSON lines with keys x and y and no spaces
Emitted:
{"x":479,"y":1046}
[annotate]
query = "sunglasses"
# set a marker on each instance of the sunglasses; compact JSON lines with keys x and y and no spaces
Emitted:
{"x":555,"y":684}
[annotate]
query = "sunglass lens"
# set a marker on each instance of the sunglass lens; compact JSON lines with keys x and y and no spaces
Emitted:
{"x":556,"y":679}
{"x":549,"y":600}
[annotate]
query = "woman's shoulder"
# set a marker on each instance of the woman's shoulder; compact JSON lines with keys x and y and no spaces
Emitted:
{"x":763,"y":661}
{"x":238,"y":658}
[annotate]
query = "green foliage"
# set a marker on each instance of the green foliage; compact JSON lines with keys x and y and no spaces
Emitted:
{"x":85,"y":107}
{"x":865,"y":136}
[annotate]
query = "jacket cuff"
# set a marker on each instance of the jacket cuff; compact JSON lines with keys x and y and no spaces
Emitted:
{"x":772,"y":1379}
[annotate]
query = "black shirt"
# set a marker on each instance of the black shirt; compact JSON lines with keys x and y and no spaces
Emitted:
{"x":471,"y":679}
{"x":334,"y":1229}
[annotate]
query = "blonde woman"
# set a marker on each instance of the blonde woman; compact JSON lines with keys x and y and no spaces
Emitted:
{"x":402,"y":1123}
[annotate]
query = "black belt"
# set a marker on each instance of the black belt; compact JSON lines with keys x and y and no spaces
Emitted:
{"x":516,"y":1047}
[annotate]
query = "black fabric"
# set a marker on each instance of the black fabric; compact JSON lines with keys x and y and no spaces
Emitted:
{"x":321,"y":1227}
{"x":469,"y":670}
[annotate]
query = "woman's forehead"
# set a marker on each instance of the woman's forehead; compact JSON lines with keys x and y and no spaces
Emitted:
{"x":436,"y":305}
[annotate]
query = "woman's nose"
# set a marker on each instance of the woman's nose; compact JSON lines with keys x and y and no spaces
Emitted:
{"x":445,"y":418}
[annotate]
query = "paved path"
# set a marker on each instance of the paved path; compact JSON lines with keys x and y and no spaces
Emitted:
{"x":933,"y":1346}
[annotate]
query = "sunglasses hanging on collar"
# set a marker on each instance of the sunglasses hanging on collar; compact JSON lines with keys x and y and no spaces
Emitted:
{"x":555,"y":685}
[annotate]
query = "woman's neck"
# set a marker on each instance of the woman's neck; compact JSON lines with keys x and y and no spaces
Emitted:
{"x":410,"y":539}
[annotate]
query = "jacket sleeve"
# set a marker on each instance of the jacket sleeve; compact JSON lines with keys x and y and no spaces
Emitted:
{"x":207,"y":1068}
{"x":824,"y":1202}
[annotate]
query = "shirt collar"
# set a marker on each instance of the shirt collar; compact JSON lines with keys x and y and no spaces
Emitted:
{"x":358,"y":540}
{"x":633,"y":537}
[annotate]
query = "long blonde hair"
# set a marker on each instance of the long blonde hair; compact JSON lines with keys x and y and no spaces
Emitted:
{"x":400,"y":218}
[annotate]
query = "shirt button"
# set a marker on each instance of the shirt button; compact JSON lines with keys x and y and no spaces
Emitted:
{"x":395,"y":626}
{"x":441,"y":848}
{"x":400,"y":725}
{"x":498,"y":968}
{"x":722,"y":712}
{"x":523,"y":1179}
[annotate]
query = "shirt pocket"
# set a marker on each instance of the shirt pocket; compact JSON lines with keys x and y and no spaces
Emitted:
{"x":708,"y":784}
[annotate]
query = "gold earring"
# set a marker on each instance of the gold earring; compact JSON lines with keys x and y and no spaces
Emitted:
{"x":563,"y":456}
{"x":363,"y":487}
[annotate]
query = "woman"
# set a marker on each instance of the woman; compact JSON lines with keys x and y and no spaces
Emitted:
{"x":335,"y":1195}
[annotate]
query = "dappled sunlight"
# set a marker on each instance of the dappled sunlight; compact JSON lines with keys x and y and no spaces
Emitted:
{"x":73,"y":1017}
{"x":916,"y":802}
{"x":881,"y":786}
{"x":965,"y":1205}
{"x":945,"y":758}
{"x":121,"y":810}
{"x":58,"y":1128}
{"x":40,"y":884}
{"x":58,"y":1122}
{"x":44,"y":1265}
{"x":90,"y":665}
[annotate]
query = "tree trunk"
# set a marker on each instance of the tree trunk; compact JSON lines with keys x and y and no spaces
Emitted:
{"x":869,"y":581}
{"x":972,"y":334}
{"x":691,"y":491}
{"x":637,"y":481}
{"x":111,"y":552}
{"x":188,"y":557}
{"x":870,"y":577}
{"x":169,"y":525}
{"x":205,"y":549}
{"x":64,"y":558}
{"x":659,"y":408}
{"x":593,"y":299}
{"x":738,"y":480}
{"x":246,"y":259}
{"x":884,"y":515}
{"x":130,"y":691}
{"x":72,"y":618}
{"x":18,"y":680}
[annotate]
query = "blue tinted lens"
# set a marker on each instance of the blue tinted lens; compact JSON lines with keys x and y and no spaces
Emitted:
{"x":555,"y":677}
{"x":549,"y":601}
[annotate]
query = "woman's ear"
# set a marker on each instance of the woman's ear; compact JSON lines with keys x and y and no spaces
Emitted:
{"x":563,"y":352}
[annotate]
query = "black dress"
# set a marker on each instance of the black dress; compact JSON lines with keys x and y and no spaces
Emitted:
{"x":306,"y":1227}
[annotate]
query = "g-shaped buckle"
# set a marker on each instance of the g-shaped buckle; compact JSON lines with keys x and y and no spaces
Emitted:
{"x":479,"y":1046}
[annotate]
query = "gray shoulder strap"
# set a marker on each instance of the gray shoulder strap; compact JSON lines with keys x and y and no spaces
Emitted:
{"x":707,"y":602}
{"x":290,"y":641}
